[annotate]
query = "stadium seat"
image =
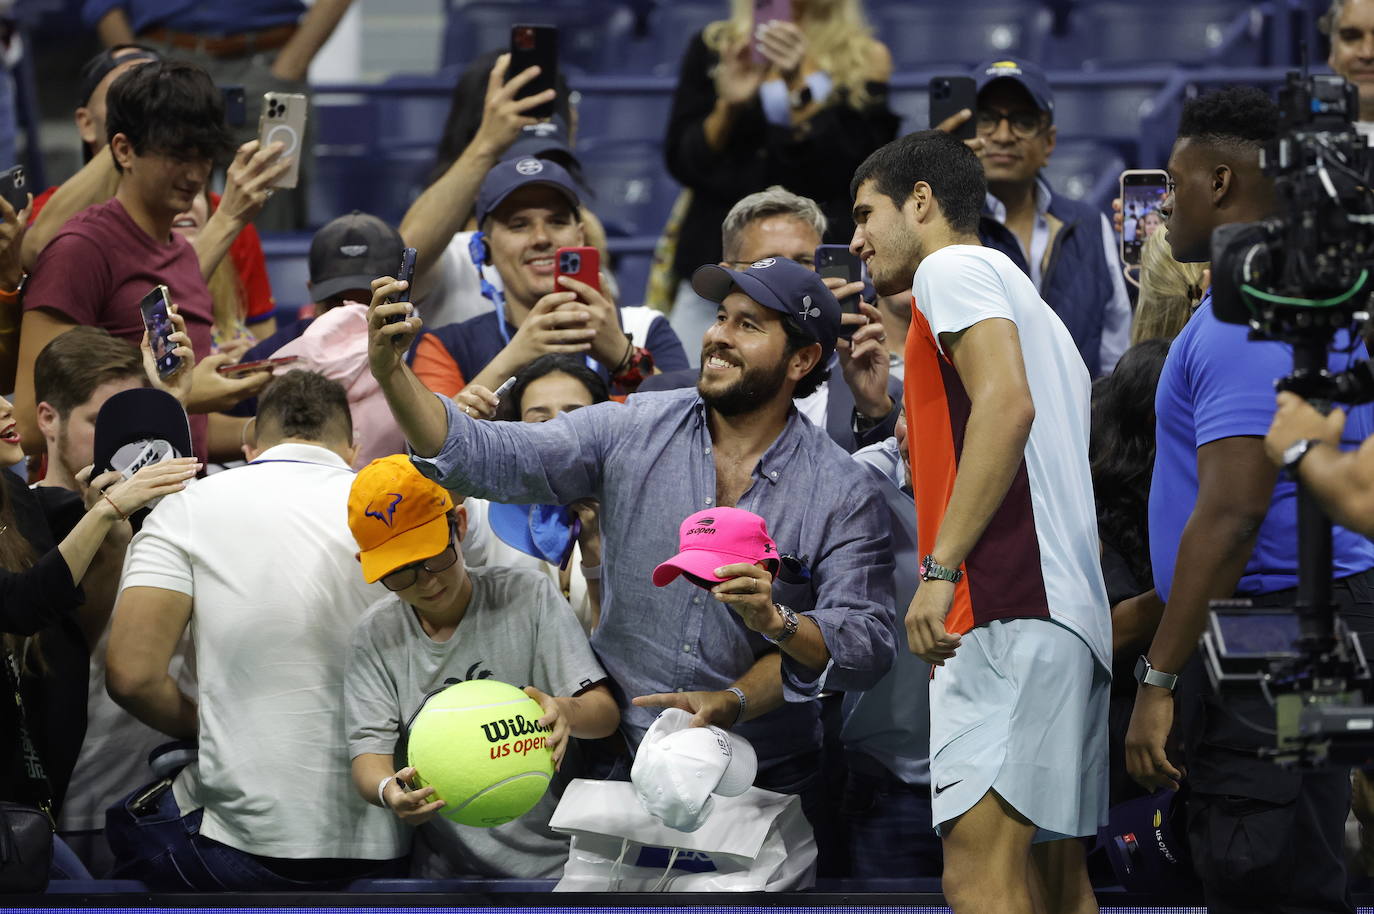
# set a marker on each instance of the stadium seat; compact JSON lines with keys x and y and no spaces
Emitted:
{"x":1085,"y":170}
{"x":382,"y":180}
{"x":672,"y":25}
{"x":631,"y":259}
{"x":622,"y":109}
{"x":1107,"y":111}
{"x":1116,"y":32}
{"x":910,"y":102}
{"x":288,"y":270}
{"x":589,"y":30}
{"x":630,"y":188}
{"x":932,"y":36}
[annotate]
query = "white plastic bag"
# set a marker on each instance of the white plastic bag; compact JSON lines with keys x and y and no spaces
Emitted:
{"x":759,"y":841}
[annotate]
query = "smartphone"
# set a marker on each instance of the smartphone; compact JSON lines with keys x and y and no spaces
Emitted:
{"x":948,"y":96}
{"x":283,"y":121}
{"x":836,"y":260}
{"x":14,"y":188}
{"x":247,"y":368}
{"x":766,"y":11}
{"x":157,"y":320}
{"x":235,"y":105}
{"x":405,"y":273}
{"x":1142,"y":193}
{"x":535,"y":46}
{"x":582,"y":264}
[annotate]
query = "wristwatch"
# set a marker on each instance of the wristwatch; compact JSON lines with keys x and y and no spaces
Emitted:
{"x":1295,"y":452}
{"x":932,"y":570}
{"x":1148,"y":675}
{"x":789,"y":624}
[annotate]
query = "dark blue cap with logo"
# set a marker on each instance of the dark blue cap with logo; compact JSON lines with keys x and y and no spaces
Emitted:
{"x":795,"y":291}
{"x":509,"y":176}
{"x":1146,"y":841}
{"x":1023,"y":72}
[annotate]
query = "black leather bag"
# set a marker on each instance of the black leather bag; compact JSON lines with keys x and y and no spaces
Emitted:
{"x":25,"y":849}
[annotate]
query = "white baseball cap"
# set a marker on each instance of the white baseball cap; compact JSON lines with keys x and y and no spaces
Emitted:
{"x":678,"y":767}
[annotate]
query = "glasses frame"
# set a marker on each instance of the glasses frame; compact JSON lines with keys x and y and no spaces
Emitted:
{"x":1041,"y":122}
{"x":444,"y":561}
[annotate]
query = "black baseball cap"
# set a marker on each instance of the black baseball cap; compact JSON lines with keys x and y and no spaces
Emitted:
{"x":512,"y":174}
{"x":351,"y":251}
{"x":795,"y":291}
{"x":1023,"y":72}
{"x":542,"y":140}
{"x":138,"y":427}
{"x":99,"y":66}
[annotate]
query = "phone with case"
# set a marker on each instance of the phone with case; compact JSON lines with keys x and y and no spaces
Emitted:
{"x":948,"y":96}
{"x":14,"y":188}
{"x":582,"y":264}
{"x":766,"y":11}
{"x":1142,"y":193}
{"x":838,"y":262}
{"x":535,"y":46}
{"x":404,"y":273}
{"x":157,"y":320}
{"x":283,"y":121}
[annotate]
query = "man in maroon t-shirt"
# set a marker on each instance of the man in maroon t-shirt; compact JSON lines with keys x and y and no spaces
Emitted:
{"x":165,"y":120}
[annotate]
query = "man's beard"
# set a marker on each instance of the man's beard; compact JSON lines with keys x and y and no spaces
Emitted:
{"x":63,"y":450}
{"x":750,"y":391}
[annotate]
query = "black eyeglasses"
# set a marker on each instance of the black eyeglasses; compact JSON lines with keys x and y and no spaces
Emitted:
{"x":407,"y":575}
{"x":806,"y":260}
{"x":1024,"y":124}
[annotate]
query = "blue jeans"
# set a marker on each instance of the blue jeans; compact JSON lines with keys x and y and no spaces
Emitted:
{"x":890,"y":830}
{"x":164,"y":849}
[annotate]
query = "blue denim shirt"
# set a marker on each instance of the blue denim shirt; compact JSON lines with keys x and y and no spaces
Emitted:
{"x":650,"y":463}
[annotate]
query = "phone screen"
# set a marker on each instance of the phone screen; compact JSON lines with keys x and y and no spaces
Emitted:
{"x":158,"y":322}
{"x":1142,"y":193}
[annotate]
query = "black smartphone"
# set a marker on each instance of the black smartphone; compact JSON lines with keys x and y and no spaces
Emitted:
{"x":1142,"y":193}
{"x":406,"y":274}
{"x":535,"y":46}
{"x":157,"y":319}
{"x":837,"y":261}
{"x":948,"y":96}
{"x":235,"y":106}
{"x":14,"y":188}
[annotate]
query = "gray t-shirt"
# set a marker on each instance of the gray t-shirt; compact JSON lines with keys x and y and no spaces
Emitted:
{"x":517,"y":629}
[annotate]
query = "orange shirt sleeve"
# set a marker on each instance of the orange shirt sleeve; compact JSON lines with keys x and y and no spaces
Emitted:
{"x":436,"y":368}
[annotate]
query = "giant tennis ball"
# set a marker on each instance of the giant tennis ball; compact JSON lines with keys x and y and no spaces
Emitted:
{"x":478,"y":744}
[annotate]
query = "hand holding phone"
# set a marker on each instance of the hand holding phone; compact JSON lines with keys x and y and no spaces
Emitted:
{"x":158,"y":322}
{"x":582,"y":264}
{"x":836,"y":261}
{"x":406,"y":274}
{"x":14,"y":188}
{"x":766,"y":11}
{"x":1142,"y":194}
{"x":283,"y":121}
{"x":950,"y":95}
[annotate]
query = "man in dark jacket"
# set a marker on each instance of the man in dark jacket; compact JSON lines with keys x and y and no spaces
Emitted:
{"x":1066,"y":247}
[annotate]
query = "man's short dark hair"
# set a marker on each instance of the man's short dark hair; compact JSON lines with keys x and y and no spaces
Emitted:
{"x":950,"y":168}
{"x":168,"y":107}
{"x":1234,"y":116}
{"x":74,"y":364}
{"x":797,"y":340}
{"x":306,"y":405}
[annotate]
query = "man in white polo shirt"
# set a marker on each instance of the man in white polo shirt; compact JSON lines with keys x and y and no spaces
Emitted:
{"x":259,"y":561}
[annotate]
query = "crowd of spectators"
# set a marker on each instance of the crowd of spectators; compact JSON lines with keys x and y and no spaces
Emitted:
{"x":993,"y":481}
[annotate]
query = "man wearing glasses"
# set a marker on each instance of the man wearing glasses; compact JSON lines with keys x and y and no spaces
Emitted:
{"x":1067,"y":247}
{"x":443,"y":623}
{"x":258,"y":564}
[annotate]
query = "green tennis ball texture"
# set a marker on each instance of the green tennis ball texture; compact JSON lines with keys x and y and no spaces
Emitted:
{"x":479,"y":746}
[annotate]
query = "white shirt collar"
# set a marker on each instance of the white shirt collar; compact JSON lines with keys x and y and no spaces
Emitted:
{"x":304,"y":453}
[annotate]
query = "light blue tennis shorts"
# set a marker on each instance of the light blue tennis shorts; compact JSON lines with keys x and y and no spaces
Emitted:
{"x":1022,"y":709}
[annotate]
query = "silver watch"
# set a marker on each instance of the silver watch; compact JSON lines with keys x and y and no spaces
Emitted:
{"x":1295,"y":452}
{"x":789,"y":624}
{"x":1148,"y":675}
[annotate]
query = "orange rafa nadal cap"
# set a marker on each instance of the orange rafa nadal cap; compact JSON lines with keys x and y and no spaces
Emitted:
{"x":397,"y":516}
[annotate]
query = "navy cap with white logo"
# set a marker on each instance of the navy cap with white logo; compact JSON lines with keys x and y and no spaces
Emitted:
{"x":351,"y":251}
{"x":1026,"y":74}
{"x":509,"y":176}
{"x":786,"y":286}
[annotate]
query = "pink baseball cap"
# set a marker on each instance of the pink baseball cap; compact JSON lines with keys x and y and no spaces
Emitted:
{"x":715,"y":537}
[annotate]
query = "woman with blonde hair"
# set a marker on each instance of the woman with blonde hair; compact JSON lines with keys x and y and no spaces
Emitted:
{"x":1169,"y":290}
{"x":799,"y":101}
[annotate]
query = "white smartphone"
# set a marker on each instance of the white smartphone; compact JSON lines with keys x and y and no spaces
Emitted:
{"x":283,"y":121}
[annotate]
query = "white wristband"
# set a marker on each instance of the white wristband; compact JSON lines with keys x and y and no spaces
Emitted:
{"x":591,"y":572}
{"x":381,"y":790}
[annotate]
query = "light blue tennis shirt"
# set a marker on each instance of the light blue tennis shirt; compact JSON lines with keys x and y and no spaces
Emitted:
{"x":650,"y":464}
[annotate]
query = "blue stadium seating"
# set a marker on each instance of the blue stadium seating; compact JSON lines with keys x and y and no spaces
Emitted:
{"x":623,"y":108}
{"x":630,"y":188}
{"x":589,"y":31}
{"x":1111,"y":33}
{"x":931,"y":36}
{"x":1085,"y":170}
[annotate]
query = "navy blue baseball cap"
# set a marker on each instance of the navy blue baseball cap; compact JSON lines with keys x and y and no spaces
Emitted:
{"x":794,"y":291}
{"x":1027,"y":74}
{"x":1146,"y":841}
{"x":509,"y":176}
{"x":541,"y":139}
